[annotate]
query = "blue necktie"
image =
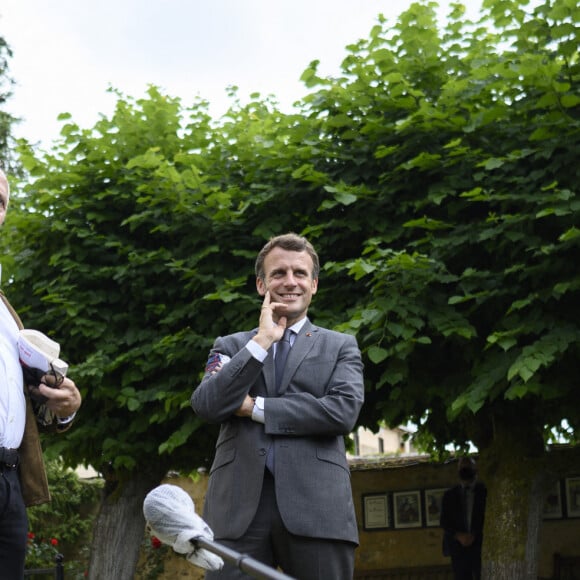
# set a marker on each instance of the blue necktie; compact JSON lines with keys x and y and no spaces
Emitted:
{"x":282,"y":350}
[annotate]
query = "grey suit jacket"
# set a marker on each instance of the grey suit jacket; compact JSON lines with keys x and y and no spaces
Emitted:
{"x":322,"y":393}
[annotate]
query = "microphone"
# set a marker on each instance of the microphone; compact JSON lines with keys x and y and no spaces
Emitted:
{"x":170,"y":515}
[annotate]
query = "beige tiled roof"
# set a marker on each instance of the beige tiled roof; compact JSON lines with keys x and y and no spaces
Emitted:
{"x":386,"y":462}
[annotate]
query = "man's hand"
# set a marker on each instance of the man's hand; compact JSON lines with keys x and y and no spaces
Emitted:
{"x":247,"y":407}
{"x":465,"y":538}
{"x":63,"y":400}
{"x":272,"y":322}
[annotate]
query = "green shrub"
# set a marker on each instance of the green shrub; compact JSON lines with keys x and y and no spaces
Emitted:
{"x":65,"y":524}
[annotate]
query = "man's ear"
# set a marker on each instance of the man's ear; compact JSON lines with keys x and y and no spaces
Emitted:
{"x":260,"y":287}
{"x":314,"y":285}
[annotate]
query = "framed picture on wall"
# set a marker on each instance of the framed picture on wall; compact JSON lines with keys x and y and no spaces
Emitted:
{"x":573,"y":496}
{"x":375,"y":511}
{"x":553,"y":503}
{"x":433,"y":499}
{"x":407,"y":509}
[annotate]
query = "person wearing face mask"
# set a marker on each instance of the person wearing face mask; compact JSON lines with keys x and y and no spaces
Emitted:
{"x":285,"y":394}
{"x":462,"y":519}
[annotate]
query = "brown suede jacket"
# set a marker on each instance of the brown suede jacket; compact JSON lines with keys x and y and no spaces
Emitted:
{"x":31,"y":470}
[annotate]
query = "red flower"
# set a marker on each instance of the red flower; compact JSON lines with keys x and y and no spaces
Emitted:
{"x":54,"y":542}
{"x":155,"y":542}
{"x":30,"y":536}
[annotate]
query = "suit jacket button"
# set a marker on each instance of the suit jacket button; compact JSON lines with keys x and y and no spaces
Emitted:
{"x":262,"y":451}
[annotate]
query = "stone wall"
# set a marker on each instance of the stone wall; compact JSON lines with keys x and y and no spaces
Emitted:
{"x":405,"y":546}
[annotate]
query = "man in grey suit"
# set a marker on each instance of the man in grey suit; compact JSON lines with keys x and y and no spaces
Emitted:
{"x":279,"y":487}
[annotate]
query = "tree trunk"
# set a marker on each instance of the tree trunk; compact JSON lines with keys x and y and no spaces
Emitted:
{"x":513,"y":467}
{"x":119,"y":527}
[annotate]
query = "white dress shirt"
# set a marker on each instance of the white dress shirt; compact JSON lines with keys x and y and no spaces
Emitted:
{"x":12,"y":401}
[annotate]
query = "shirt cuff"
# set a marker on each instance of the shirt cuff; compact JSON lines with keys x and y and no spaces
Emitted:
{"x":256,"y":350}
{"x":258,"y":410}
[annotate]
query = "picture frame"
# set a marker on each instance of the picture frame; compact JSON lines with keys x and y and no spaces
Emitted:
{"x":572,"y":485}
{"x":376,"y":514}
{"x":407,"y":509}
{"x":433,"y":499}
{"x":552,"y":509}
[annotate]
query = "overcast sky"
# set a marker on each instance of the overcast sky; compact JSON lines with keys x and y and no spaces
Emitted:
{"x":68,"y":52}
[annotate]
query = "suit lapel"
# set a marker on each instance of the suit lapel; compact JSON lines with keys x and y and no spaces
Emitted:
{"x":303,"y":343}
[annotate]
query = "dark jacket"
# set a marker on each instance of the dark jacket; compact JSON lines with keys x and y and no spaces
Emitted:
{"x":453,"y":518}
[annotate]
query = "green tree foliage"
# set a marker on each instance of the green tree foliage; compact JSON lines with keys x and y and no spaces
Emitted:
{"x":111,"y":220}
{"x":461,"y":158}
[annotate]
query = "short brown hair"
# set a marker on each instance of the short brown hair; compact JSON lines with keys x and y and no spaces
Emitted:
{"x":290,"y":242}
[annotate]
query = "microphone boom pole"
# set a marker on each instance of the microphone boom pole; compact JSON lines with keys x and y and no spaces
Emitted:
{"x":243,"y":562}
